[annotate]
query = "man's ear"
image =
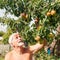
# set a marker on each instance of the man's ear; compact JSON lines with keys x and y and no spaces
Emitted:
{"x":12,"y":45}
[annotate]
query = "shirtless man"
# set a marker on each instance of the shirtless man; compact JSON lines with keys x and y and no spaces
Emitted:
{"x":20,"y":52}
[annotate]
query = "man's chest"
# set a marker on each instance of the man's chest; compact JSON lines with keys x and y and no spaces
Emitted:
{"x":25,"y":56}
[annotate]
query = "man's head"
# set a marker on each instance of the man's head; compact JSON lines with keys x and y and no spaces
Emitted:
{"x":16,"y":40}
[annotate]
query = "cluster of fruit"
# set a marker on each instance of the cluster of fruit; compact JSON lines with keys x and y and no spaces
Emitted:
{"x":52,"y":12}
{"x":41,"y":41}
{"x":37,"y":23}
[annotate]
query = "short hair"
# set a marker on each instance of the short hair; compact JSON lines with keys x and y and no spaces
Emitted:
{"x":11,"y":38}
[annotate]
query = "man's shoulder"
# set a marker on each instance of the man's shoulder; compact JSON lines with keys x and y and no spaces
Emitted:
{"x":8,"y":54}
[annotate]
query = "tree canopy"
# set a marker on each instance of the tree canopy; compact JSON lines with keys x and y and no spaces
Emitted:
{"x":44,"y":13}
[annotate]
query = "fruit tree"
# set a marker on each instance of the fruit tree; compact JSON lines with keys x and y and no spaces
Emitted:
{"x":38,"y":19}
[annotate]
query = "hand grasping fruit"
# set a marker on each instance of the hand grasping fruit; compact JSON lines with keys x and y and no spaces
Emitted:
{"x":41,"y":41}
{"x":37,"y":38}
{"x":24,"y":15}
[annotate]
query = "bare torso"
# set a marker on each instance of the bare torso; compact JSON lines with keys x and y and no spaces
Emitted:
{"x":25,"y":56}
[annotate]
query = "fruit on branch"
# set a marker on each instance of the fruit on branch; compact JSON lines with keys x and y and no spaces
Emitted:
{"x":24,"y":15}
{"x":53,"y":12}
{"x":43,"y":41}
{"x":51,"y":35}
{"x":37,"y":38}
{"x":39,"y":27}
{"x":36,"y":20}
{"x":48,"y":13}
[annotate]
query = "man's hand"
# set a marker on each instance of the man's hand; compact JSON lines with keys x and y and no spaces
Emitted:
{"x":35,"y":47}
{"x":41,"y":41}
{"x":38,"y":45}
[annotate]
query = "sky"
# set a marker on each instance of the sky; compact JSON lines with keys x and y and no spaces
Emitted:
{"x":3,"y":28}
{"x":2,"y":14}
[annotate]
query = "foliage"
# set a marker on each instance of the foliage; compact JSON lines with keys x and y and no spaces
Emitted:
{"x":34,"y":10}
{"x":44,"y":56}
{"x":6,"y":36}
{"x":1,"y":33}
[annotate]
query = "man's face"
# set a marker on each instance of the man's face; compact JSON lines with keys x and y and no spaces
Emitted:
{"x":17,"y":40}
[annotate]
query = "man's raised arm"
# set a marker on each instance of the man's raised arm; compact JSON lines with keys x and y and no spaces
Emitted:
{"x":37,"y":47}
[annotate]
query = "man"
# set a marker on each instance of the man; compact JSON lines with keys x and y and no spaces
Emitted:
{"x":20,"y":52}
